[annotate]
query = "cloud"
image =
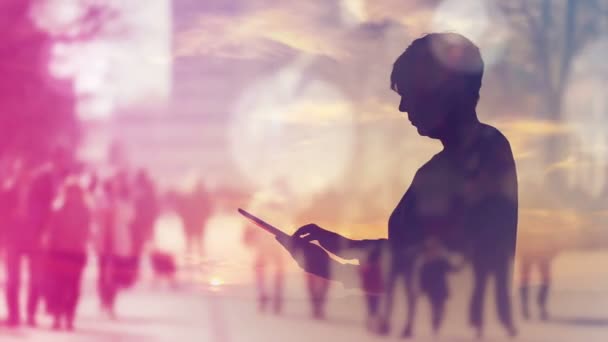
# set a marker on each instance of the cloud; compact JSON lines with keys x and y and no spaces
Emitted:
{"x":565,"y":164}
{"x":528,"y":136}
{"x":375,"y":109}
{"x":321,"y":28}
{"x":415,"y":15}
{"x":534,"y":127}
{"x":259,"y":29}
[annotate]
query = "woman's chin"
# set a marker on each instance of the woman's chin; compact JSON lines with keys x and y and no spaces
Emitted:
{"x":422,"y":132}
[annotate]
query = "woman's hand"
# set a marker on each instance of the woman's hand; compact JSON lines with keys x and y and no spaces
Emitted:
{"x":309,"y":256}
{"x":312,"y":232}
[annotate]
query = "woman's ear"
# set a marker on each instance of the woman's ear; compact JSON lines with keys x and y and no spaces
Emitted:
{"x":461,"y":97}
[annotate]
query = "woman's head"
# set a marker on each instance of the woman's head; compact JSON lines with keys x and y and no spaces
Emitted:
{"x":438,"y":78}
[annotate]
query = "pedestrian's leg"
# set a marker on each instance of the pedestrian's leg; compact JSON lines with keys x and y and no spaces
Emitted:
{"x":317,"y":294}
{"x":113,"y":288}
{"x":503,"y":297}
{"x":53,"y":289}
{"x":71,"y":300}
{"x":35,"y":270}
{"x":112,"y":297}
{"x":437,"y":310}
{"x":104,"y":282}
{"x":110,"y":285}
{"x":479,"y":288}
{"x":324,"y":289}
{"x":260,"y":266}
{"x":73,"y":293}
{"x":372,"y":304}
{"x":55,"y":301}
{"x":524,"y":288}
{"x":278,"y":289}
{"x":412,"y":298}
{"x":101,"y":281}
{"x":61,"y":295}
{"x":543,"y":292}
{"x":388,"y":297}
{"x":372,"y":310}
{"x":311,"y":293}
{"x":13,"y":282}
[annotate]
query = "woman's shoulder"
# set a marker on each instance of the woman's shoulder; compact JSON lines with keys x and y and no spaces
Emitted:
{"x":492,"y":136}
{"x":493,"y":146}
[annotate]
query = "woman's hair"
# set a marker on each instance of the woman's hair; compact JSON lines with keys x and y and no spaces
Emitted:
{"x":447,"y":62}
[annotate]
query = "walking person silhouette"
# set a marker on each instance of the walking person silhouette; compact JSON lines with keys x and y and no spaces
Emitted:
{"x":466,"y":195}
{"x":433,"y":270}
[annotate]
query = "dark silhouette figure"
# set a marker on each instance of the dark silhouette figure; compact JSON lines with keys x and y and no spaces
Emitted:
{"x":164,"y":266}
{"x":318,"y":287}
{"x":66,"y":249}
{"x":268,"y":263}
{"x":194,"y":209}
{"x":146,"y":211}
{"x":435,"y":266}
{"x":33,"y":192}
{"x":117,"y":258}
{"x":543,"y":265}
{"x":466,"y":194}
{"x":372,"y":284}
{"x":14,"y":196}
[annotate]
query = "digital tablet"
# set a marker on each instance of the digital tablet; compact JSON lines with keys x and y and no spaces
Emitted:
{"x":264,"y":225}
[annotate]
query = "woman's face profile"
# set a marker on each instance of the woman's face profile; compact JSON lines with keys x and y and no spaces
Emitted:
{"x":425,"y":110}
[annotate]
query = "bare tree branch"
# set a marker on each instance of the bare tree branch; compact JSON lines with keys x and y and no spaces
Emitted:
{"x":600,"y":7}
{"x":94,"y":21}
{"x":568,"y":46}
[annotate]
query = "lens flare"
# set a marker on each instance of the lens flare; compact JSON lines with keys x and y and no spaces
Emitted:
{"x":216,"y":281}
{"x":294,"y":129}
{"x":477,"y":20}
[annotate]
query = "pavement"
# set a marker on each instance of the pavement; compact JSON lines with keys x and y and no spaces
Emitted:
{"x":217,"y":312}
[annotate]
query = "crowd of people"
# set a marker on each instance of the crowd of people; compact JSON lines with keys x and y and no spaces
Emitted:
{"x":58,"y":216}
{"x":52,"y":215}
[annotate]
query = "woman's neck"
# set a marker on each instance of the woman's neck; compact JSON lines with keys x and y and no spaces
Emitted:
{"x":461,"y":136}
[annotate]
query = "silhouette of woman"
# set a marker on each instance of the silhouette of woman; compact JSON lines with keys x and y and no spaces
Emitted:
{"x":466,"y":194}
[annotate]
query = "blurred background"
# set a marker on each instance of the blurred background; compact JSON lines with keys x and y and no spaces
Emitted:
{"x":184,"y":110}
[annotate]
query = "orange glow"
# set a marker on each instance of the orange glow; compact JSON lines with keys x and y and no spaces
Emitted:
{"x":216,"y":281}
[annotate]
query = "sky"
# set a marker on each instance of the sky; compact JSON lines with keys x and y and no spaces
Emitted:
{"x":302,"y":90}
{"x":256,"y":93}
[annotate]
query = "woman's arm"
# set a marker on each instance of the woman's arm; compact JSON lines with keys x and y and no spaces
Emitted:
{"x":315,"y":260}
{"x":360,"y":249}
{"x":335,"y":243}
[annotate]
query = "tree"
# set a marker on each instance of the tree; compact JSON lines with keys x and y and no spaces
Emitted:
{"x":37,"y":111}
{"x":550,"y":34}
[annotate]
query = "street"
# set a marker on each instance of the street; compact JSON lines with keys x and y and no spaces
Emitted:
{"x":227,"y":313}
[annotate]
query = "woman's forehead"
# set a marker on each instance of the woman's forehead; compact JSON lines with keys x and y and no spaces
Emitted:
{"x":421,"y":80}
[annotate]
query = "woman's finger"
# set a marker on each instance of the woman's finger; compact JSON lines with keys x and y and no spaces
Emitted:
{"x":306,"y":230}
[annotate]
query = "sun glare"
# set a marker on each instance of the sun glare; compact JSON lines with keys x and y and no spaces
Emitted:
{"x":216,"y":281}
{"x":293,"y":129}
